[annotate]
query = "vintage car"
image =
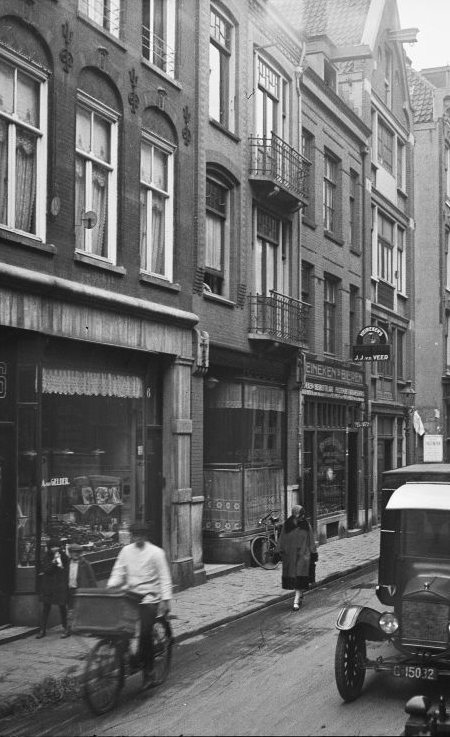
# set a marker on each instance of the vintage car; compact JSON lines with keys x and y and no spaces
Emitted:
{"x":414,"y":582}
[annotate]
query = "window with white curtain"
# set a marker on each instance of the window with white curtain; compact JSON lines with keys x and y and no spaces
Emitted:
{"x":106,"y":13}
{"x":96,"y":178}
{"x":23,"y":146}
{"x":157,"y":207}
{"x":217,"y":237}
{"x":158,"y":34}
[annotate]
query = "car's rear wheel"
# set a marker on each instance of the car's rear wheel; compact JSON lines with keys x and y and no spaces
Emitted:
{"x":349,"y":667}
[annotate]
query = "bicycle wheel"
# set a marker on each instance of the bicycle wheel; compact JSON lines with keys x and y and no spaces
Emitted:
{"x":104,"y":676}
{"x":162,"y":644}
{"x":264,"y":552}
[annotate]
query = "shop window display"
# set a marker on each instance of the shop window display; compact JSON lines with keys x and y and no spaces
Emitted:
{"x":92,"y":462}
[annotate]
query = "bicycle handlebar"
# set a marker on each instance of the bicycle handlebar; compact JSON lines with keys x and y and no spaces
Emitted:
{"x":267,"y":516}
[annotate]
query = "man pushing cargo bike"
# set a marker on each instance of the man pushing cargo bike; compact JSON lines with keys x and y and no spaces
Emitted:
{"x":137,"y":598}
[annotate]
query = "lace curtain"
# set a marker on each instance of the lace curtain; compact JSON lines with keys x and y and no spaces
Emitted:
{"x":71,"y":382}
{"x":80,"y":199}
{"x":99,"y":206}
{"x":158,"y":227}
{"x":25,"y":180}
{"x":213,"y":256}
{"x":3,"y":171}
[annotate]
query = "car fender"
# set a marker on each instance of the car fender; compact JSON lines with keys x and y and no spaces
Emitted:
{"x":362,"y":617}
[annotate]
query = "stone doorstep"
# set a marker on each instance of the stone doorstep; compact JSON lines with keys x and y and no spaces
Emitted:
{"x":220,"y":569}
{"x":9,"y":633}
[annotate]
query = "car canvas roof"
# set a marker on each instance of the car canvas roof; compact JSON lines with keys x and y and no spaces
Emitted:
{"x":415,"y":495}
{"x":419,"y":468}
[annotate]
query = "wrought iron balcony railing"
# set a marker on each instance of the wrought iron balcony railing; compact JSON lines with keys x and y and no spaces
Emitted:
{"x":279,"y":318}
{"x":157,"y":51}
{"x":274,"y":159}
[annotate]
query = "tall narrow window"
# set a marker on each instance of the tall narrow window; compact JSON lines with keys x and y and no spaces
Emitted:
{"x":23,"y":142}
{"x":354,"y":210}
{"x":447,"y":259}
{"x":268,"y":253}
{"x":106,"y":13}
{"x":400,"y":165}
{"x":388,"y":76}
{"x":156,"y":207}
{"x":308,"y":152}
{"x":400,"y":354}
{"x":385,"y":249}
{"x":447,"y":169}
{"x":96,"y":179}
{"x":385,"y":146}
{"x":330,"y":306}
{"x":400,"y":260}
{"x":330,"y":193}
{"x":269,"y":103}
{"x":158,"y":34}
{"x":217,"y":235}
{"x":353,"y":315}
{"x":221,"y":73}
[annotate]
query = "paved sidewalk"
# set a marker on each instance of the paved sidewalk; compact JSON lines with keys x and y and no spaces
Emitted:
{"x":34,"y":672}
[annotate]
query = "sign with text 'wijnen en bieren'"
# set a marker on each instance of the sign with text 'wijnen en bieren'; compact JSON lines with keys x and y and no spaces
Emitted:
{"x":372,"y":345}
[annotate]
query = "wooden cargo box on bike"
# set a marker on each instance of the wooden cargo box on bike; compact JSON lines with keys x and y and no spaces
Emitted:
{"x":105,"y":612}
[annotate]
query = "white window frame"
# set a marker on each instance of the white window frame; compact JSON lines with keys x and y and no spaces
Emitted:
{"x":94,"y":106}
{"x":389,"y":166}
{"x":41,"y":149}
{"x":401,"y":245}
{"x":225,"y":218}
{"x":169,"y":39}
{"x":400,"y":159}
{"x":270,"y":251}
{"x":102,"y":14}
{"x":279,"y":97}
{"x":448,"y":342}
{"x":447,"y":172}
{"x":385,"y":252}
{"x":227,"y":76}
{"x":330,"y":192}
{"x":169,"y":149}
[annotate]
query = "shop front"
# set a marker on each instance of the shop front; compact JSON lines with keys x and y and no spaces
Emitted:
{"x":244,"y":471}
{"x":332,"y":473}
{"x":89,"y":459}
{"x":95,"y":431}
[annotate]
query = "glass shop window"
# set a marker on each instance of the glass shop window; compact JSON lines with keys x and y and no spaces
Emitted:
{"x":92,"y":456}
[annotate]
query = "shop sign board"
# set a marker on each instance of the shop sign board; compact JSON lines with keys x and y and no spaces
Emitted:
{"x":433,"y":449}
{"x":333,"y":382}
{"x":371,"y":345}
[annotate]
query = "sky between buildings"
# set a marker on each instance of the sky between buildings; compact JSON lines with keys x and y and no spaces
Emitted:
{"x":432,"y":18}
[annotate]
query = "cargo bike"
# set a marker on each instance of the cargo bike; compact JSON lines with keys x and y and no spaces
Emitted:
{"x":113,"y":617}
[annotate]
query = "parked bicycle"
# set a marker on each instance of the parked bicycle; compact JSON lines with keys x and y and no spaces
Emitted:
{"x":112,"y":617}
{"x":264,"y":546}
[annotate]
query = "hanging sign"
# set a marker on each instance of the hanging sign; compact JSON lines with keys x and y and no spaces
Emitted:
{"x":372,"y":345}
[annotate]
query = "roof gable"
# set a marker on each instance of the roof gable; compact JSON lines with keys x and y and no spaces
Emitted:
{"x":343,"y":21}
{"x":421,"y":93}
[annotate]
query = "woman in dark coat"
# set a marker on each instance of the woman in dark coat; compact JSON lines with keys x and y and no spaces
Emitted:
{"x":53,"y":579}
{"x":297,"y":546}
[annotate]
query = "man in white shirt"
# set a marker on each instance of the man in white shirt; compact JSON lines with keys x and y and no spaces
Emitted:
{"x":142,"y":569}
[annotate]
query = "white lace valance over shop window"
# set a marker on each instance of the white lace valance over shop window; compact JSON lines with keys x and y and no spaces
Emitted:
{"x":91,"y":383}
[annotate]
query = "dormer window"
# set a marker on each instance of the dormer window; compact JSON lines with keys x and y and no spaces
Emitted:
{"x":329,"y":75}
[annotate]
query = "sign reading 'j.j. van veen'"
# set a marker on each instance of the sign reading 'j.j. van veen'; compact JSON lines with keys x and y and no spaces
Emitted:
{"x":372,"y":345}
